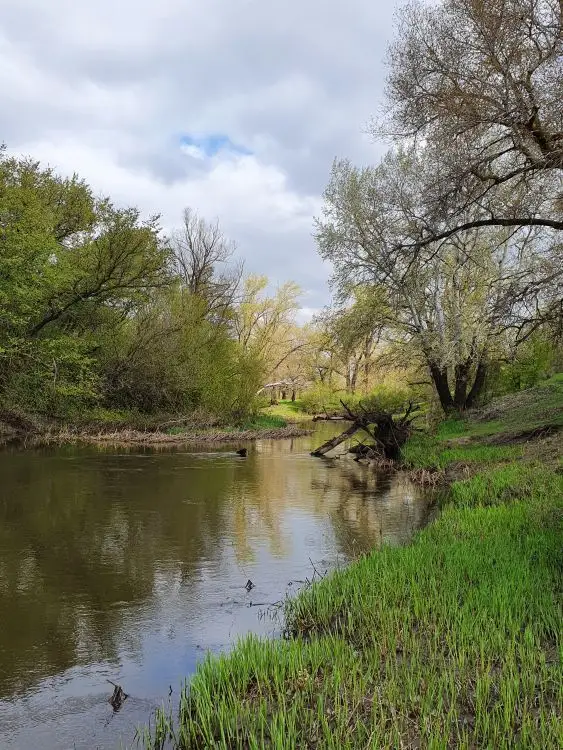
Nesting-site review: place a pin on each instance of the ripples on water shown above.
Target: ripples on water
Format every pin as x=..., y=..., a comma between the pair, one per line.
x=128, y=566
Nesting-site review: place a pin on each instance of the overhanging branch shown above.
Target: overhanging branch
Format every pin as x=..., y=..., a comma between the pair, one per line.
x=517, y=222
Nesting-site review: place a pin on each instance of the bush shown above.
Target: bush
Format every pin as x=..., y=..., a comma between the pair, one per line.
x=385, y=397
x=320, y=400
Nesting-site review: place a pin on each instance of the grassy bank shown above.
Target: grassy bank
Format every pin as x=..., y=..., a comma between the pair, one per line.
x=453, y=641
x=290, y=411
x=129, y=428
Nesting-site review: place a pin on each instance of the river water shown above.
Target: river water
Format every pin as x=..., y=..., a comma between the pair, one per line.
x=129, y=565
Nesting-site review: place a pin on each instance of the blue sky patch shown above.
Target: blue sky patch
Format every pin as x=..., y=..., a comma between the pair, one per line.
x=211, y=145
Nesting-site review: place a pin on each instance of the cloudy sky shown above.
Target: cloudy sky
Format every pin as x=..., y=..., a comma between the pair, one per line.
x=233, y=107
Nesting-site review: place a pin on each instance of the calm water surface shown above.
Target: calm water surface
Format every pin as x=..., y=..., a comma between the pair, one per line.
x=128, y=566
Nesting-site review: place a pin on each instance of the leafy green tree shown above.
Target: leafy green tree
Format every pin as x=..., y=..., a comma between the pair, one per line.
x=69, y=263
x=352, y=333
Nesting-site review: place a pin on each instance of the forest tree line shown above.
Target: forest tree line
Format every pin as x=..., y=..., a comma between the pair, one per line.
x=101, y=309
x=447, y=254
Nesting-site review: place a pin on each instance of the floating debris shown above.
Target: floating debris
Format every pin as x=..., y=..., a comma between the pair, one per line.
x=118, y=698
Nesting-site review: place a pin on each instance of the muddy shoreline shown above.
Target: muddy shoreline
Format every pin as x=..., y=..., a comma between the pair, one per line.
x=215, y=436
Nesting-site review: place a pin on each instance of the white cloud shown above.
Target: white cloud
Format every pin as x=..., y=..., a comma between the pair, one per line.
x=193, y=151
x=110, y=90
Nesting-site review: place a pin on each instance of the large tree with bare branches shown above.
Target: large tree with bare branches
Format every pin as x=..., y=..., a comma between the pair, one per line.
x=478, y=83
x=204, y=261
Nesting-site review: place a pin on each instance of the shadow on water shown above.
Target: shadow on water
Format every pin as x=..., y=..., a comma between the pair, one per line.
x=126, y=566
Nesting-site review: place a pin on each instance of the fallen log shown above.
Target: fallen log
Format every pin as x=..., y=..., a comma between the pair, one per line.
x=388, y=433
x=333, y=443
x=327, y=418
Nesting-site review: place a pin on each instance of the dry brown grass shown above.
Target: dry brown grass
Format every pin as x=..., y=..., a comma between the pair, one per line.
x=137, y=437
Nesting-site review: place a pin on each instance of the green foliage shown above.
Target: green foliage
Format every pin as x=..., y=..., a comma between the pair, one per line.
x=531, y=364
x=385, y=397
x=321, y=400
x=93, y=316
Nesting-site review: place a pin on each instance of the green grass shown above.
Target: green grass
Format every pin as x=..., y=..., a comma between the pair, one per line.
x=505, y=484
x=450, y=642
x=427, y=452
x=264, y=422
x=453, y=641
x=515, y=413
x=462, y=441
x=291, y=411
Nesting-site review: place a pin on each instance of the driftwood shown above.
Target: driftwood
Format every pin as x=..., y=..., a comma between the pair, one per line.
x=118, y=698
x=335, y=441
x=328, y=418
x=387, y=433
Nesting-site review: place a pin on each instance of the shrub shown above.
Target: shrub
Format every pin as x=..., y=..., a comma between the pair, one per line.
x=321, y=399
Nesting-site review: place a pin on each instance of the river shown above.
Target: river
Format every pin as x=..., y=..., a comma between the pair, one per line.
x=128, y=565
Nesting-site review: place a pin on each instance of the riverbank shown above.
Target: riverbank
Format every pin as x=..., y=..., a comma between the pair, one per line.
x=144, y=431
x=453, y=641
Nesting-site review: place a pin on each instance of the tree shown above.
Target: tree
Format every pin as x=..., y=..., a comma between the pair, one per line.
x=293, y=366
x=479, y=85
x=453, y=300
x=201, y=255
x=353, y=331
x=170, y=358
x=69, y=262
x=264, y=325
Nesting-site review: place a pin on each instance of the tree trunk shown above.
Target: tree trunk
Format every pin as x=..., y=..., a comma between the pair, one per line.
x=348, y=378
x=440, y=377
x=283, y=395
x=335, y=441
x=354, y=378
x=366, y=374
x=293, y=395
x=478, y=384
x=461, y=380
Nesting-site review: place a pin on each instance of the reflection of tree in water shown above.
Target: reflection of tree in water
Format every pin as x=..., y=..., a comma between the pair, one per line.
x=364, y=508
x=367, y=508
x=74, y=550
x=91, y=541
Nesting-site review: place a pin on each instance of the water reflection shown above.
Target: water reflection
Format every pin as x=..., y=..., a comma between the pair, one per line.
x=129, y=565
